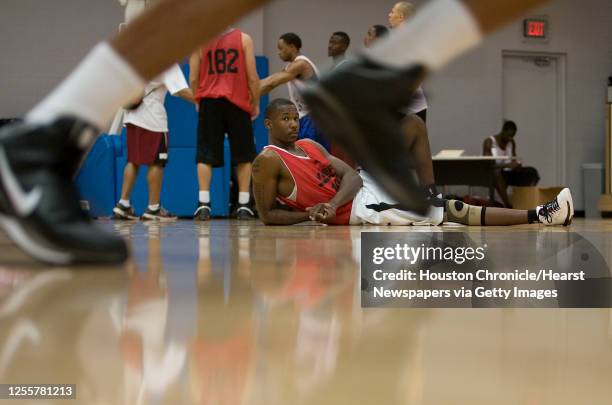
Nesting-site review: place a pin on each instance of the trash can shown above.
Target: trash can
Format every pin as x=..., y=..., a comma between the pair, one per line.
x=592, y=188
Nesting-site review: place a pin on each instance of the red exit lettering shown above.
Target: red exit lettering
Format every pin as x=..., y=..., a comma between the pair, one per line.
x=536, y=29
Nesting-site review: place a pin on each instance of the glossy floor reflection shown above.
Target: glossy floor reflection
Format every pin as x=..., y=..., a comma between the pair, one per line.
x=238, y=313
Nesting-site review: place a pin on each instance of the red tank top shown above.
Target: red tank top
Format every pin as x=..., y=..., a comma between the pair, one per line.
x=315, y=180
x=223, y=71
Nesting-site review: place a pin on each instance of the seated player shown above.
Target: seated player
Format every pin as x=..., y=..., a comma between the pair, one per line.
x=510, y=171
x=311, y=184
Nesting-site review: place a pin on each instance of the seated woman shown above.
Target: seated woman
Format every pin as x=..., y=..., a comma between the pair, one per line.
x=510, y=171
x=313, y=185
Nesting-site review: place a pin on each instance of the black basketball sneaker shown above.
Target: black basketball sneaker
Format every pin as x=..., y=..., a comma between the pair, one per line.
x=357, y=105
x=39, y=205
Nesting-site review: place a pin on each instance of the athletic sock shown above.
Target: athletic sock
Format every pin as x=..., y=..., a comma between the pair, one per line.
x=125, y=203
x=153, y=207
x=101, y=84
x=532, y=216
x=204, y=197
x=243, y=197
x=441, y=31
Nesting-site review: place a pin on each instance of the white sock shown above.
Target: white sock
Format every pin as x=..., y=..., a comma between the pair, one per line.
x=125, y=203
x=243, y=197
x=204, y=197
x=153, y=207
x=101, y=84
x=441, y=31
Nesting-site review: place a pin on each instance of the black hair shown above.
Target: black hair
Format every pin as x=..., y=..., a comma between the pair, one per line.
x=509, y=126
x=345, y=37
x=275, y=105
x=380, y=30
x=291, y=38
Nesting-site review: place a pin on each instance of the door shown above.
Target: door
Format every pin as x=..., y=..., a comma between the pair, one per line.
x=533, y=97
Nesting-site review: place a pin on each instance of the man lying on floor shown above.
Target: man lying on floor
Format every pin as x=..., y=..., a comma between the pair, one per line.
x=298, y=180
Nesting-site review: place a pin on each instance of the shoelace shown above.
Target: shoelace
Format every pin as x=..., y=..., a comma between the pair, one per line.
x=549, y=209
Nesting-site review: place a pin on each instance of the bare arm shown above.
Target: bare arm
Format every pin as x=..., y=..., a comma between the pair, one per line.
x=186, y=95
x=515, y=163
x=194, y=71
x=252, y=77
x=350, y=185
x=266, y=172
x=274, y=80
x=486, y=147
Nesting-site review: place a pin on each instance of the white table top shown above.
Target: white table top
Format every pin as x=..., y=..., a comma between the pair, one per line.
x=472, y=158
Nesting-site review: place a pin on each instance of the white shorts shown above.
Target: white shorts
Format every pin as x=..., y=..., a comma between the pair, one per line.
x=372, y=194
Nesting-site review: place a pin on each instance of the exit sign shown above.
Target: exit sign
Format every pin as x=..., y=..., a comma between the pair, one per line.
x=535, y=28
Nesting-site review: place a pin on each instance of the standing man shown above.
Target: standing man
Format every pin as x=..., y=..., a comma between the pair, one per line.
x=337, y=47
x=223, y=76
x=399, y=14
x=147, y=143
x=298, y=70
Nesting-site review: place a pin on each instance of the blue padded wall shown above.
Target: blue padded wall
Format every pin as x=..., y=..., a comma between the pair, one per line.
x=97, y=177
x=101, y=176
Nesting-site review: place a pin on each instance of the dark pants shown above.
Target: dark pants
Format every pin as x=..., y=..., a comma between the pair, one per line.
x=521, y=177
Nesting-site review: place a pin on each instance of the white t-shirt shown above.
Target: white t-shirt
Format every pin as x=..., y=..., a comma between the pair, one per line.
x=497, y=151
x=297, y=85
x=151, y=114
x=418, y=102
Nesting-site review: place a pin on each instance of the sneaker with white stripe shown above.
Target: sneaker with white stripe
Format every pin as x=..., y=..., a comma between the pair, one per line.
x=559, y=211
x=39, y=204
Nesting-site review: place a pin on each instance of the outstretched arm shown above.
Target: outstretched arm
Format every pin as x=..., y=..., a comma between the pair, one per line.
x=266, y=172
x=276, y=79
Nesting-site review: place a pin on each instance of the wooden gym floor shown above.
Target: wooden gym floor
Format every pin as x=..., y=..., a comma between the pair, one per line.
x=234, y=313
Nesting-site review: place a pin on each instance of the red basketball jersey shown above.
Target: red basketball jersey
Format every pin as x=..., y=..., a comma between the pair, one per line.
x=223, y=70
x=315, y=179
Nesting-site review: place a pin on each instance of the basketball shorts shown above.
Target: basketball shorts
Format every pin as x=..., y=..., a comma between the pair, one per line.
x=146, y=147
x=373, y=206
x=219, y=117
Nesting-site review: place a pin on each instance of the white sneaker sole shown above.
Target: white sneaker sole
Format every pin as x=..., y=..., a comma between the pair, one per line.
x=570, y=207
x=149, y=217
x=31, y=245
x=121, y=215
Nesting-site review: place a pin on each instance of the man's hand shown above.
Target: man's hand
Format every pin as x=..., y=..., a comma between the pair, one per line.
x=323, y=212
x=514, y=164
x=255, y=113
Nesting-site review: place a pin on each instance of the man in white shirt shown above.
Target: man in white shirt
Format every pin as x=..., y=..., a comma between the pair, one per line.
x=147, y=143
x=298, y=71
